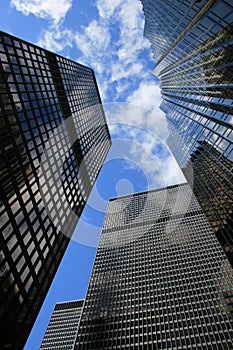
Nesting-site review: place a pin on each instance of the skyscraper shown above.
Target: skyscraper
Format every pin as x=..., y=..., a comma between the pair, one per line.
x=54, y=140
x=192, y=46
x=160, y=279
x=210, y=185
x=63, y=325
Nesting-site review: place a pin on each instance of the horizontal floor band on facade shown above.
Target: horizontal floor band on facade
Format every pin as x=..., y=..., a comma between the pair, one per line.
x=153, y=222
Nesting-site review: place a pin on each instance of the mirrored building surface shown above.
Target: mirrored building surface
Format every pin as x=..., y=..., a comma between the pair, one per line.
x=160, y=279
x=63, y=325
x=192, y=47
x=213, y=190
x=54, y=140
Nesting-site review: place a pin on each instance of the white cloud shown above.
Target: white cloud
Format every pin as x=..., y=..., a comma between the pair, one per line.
x=103, y=89
x=120, y=71
x=107, y=8
x=112, y=46
x=142, y=133
x=146, y=125
x=147, y=95
x=171, y=170
x=97, y=36
x=132, y=21
x=115, y=57
x=54, y=10
x=93, y=42
x=55, y=39
x=145, y=151
x=122, y=86
x=131, y=41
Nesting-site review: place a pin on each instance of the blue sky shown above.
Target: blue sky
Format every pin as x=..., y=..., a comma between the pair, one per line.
x=107, y=36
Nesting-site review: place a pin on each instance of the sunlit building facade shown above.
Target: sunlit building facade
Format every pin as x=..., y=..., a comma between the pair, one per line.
x=160, y=279
x=63, y=325
x=54, y=140
x=192, y=47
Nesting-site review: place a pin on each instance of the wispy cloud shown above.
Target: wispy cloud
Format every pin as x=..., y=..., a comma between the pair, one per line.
x=147, y=95
x=148, y=154
x=52, y=10
x=149, y=119
x=113, y=44
x=93, y=43
x=107, y=8
x=56, y=39
x=139, y=135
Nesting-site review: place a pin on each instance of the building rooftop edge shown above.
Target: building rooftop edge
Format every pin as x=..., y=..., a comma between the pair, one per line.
x=69, y=301
x=144, y=192
x=42, y=48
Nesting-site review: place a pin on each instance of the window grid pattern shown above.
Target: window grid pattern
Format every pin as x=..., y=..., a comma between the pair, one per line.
x=62, y=328
x=195, y=68
x=35, y=103
x=161, y=284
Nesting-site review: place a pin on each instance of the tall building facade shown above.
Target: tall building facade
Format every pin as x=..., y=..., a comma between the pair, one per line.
x=54, y=139
x=212, y=187
x=192, y=47
x=160, y=279
x=63, y=325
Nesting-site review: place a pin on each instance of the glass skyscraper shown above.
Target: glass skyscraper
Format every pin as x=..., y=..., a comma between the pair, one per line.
x=63, y=325
x=54, y=140
x=160, y=279
x=192, y=47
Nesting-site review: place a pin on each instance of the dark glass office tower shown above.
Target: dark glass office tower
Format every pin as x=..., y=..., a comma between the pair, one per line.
x=192, y=46
x=54, y=140
x=213, y=190
x=63, y=325
x=160, y=278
